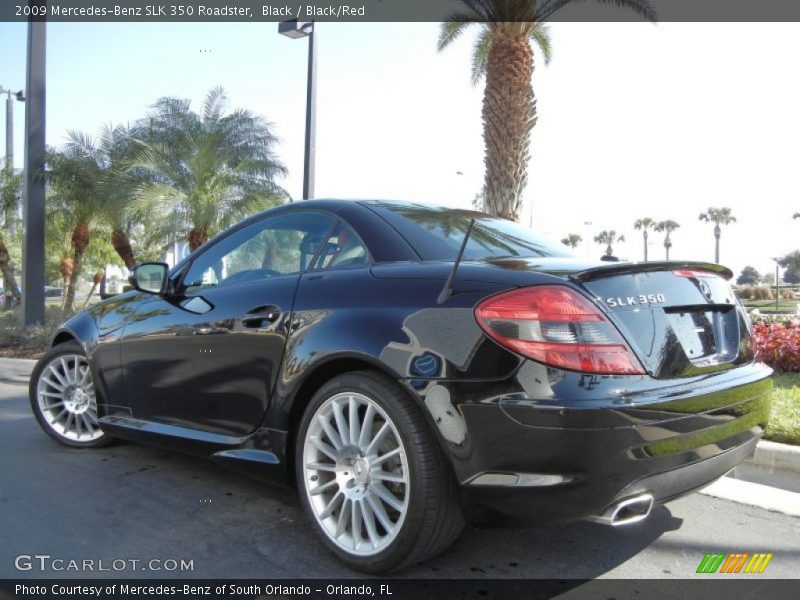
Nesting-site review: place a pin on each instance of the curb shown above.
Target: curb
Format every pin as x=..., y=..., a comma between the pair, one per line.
x=772, y=457
x=16, y=370
x=755, y=494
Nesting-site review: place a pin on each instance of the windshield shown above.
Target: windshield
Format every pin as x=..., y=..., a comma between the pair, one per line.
x=436, y=233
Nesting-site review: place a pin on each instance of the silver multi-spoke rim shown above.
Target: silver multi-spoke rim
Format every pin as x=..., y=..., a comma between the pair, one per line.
x=67, y=400
x=356, y=474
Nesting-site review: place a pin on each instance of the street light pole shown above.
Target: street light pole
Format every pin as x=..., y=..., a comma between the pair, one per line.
x=9, y=131
x=11, y=215
x=297, y=29
x=9, y=160
x=311, y=118
x=33, y=191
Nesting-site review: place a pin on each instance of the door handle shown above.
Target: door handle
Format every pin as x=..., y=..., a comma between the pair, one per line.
x=255, y=317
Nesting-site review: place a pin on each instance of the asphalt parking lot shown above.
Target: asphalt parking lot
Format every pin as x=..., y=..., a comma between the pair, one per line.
x=133, y=502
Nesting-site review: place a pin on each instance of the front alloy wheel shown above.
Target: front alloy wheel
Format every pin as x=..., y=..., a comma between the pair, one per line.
x=64, y=399
x=372, y=476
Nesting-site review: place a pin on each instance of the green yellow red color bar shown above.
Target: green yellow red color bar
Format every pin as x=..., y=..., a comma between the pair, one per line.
x=735, y=562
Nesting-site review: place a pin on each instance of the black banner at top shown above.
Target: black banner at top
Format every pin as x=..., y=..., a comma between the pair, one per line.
x=152, y=11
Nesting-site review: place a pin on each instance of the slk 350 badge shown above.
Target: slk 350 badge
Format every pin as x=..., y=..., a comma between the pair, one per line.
x=636, y=300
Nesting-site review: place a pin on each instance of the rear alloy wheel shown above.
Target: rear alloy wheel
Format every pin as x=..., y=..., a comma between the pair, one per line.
x=372, y=476
x=64, y=399
x=357, y=473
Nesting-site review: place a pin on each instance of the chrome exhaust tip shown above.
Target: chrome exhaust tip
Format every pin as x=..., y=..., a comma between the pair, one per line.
x=627, y=512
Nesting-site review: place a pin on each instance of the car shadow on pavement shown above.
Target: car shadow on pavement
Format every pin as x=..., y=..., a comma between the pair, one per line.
x=577, y=550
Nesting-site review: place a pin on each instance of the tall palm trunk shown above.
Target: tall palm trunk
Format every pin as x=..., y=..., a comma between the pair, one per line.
x=121, y=243
x=644, y=235
x=7, y=269
x=717, y=234
x=80, y=240
x=509, y=114
x=667, y=245
x=197, y=237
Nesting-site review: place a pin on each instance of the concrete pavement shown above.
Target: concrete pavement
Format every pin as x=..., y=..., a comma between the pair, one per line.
x=16, y=370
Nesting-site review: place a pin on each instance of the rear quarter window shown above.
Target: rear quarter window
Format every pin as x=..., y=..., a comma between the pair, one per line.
x=436, y=233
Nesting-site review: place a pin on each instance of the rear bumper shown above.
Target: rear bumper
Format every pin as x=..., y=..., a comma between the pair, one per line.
x=590, y=496
x=553, y=460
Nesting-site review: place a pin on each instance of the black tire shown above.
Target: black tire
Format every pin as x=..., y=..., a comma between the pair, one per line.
x=433, y=519
x=61, y=350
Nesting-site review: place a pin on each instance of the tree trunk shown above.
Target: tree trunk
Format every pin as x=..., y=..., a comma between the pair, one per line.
x=10, y=283
x=717, y=234
x=80, y=240
x=72, y=284
x=197, y=237
x=98, y=277
x=509, y=114
x=269, y=254
x=65, y=268
x=667, y=245
x=644, y=235
x=121, y=243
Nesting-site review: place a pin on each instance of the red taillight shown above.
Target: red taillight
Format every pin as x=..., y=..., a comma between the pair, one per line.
x=693, y=273
x=554, y=325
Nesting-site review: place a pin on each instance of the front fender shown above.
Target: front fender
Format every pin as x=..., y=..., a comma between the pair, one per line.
x=99, y=331
x=82, y=328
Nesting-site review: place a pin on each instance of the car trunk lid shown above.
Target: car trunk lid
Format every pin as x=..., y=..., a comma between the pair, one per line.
x=681, y=318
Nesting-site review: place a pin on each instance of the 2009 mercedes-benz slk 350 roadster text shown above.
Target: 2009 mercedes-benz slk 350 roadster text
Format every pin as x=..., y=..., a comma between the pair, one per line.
x=399, y=362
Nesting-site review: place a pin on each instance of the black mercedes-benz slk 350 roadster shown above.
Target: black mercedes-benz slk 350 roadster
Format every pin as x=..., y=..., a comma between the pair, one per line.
x=399, y=362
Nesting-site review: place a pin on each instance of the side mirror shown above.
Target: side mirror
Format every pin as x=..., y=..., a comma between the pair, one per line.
x=149, y=277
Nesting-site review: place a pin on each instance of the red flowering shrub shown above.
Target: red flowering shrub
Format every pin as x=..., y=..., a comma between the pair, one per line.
x=777, y=343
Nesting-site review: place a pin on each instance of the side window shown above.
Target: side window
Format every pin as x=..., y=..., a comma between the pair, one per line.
x=343, y=248
x=280, y=245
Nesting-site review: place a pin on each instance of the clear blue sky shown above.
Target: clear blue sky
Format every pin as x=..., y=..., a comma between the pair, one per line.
x=635, y=120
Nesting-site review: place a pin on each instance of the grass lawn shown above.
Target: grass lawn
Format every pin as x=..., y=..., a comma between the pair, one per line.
x=784, y=422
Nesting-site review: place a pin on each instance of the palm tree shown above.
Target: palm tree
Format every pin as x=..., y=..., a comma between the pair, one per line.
x=607, y=238
x=113, y=152
x=207, y=170
x=10, y=189
x=11, y=289
x=718, y=216
x=644, y=225
x=115, y=149
x=78, y=188
x=503, y=53
x=667, y=227
x=572, y=240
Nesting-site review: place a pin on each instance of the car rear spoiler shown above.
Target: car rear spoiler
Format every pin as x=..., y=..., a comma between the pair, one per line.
x=623, y=268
